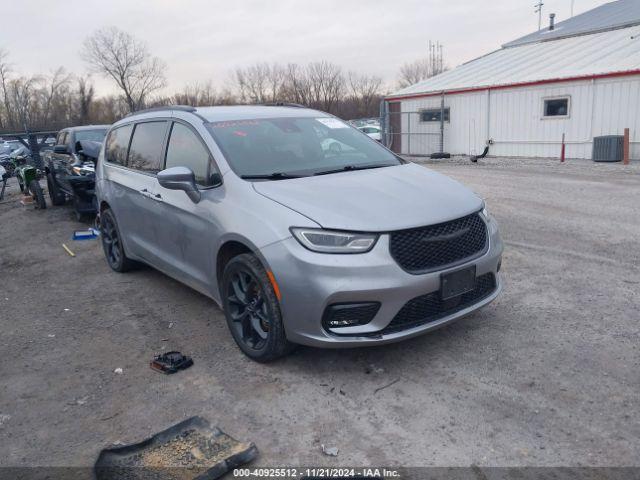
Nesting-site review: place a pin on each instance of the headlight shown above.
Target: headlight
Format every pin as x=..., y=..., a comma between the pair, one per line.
x=331, y=241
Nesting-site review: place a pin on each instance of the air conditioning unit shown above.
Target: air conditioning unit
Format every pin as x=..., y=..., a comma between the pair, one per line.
x=608, y=148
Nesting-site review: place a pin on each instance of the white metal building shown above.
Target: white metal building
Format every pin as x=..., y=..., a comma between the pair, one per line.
x=581, y=78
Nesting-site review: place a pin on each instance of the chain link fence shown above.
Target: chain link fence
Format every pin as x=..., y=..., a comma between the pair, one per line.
x=415, y=133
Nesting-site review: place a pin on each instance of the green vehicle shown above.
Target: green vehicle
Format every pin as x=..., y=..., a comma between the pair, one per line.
x=28, y=176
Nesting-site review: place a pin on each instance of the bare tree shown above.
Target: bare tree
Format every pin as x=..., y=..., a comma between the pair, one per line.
x=423, y=68
x=5, y=69
x=296, y=88
x=364, y=92
x=326, y=85
x=196, y=95
x=58, y=81
x=21, y=94
x=121, y=57
x=413, y=72
x=260, y=83
x=85, y=97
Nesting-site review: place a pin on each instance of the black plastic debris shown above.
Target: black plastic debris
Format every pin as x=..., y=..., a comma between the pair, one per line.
x=192, y=449
x=171, y=362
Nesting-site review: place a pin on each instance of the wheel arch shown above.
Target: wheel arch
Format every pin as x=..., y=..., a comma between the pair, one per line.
x=103, y=206
x=231, y=247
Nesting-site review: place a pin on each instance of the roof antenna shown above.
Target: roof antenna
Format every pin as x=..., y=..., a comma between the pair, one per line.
x=538, y=10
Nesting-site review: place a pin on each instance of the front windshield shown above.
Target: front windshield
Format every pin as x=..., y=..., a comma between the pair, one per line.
x=93, y=135
x=297, y=146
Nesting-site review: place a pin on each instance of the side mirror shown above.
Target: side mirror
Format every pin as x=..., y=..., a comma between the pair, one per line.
x=180, y=178
x=61, y=149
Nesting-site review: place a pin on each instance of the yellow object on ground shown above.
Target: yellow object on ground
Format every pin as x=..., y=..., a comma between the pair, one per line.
x=68, y=250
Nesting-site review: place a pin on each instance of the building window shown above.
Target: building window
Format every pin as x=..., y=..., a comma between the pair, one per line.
x=556, y=107
x=433, y=115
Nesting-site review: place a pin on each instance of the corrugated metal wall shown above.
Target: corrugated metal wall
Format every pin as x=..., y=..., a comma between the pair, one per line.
x=515, y=122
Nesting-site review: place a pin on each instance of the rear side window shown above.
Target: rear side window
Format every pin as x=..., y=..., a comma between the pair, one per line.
x=185, y=149
x=117, y=145
x=93, y=135
x=62, y=138
x=145, y=152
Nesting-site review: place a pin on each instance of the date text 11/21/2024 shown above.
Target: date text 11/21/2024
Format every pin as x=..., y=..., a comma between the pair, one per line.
x=311, y=473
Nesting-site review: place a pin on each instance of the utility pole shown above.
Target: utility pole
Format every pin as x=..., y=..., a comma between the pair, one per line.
x=538, y=10
x=572, y=2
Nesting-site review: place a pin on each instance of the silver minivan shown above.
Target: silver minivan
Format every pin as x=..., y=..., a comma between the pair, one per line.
x=302, y=228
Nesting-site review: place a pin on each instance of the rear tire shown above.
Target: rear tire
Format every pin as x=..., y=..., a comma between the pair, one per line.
x=253, y=310
x=57, y=197
x=37, y=194
x=112, y=244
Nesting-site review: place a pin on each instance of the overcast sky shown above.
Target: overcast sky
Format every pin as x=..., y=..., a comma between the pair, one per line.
x=203, y=40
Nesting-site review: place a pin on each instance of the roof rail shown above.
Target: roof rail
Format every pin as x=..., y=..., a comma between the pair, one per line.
x=182, y=108
x=283, y=104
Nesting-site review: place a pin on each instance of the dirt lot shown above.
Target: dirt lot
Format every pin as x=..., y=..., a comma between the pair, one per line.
x=549, y=374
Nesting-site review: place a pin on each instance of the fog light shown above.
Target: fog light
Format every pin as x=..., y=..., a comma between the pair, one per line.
x=340, y=315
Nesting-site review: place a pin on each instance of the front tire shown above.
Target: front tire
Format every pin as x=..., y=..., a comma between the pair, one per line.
x=112, y=244
x=37, y=194
x=252, y=310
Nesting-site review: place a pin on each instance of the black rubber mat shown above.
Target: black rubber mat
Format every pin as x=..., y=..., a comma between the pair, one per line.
x=192, y=449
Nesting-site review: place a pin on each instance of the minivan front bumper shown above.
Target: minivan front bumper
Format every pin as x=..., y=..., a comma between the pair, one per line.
x=309, y=282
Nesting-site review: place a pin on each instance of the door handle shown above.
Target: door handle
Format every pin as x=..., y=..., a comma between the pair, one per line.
x=145, y=193
x=157, y=197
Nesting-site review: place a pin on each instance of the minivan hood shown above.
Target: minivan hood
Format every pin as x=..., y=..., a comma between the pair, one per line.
x=375, y=200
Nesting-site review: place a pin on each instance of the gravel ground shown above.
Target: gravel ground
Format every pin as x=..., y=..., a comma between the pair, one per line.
x=547, y=375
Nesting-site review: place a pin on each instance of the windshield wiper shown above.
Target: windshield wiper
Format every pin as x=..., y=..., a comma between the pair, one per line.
x=270, y=176
x=350, y=168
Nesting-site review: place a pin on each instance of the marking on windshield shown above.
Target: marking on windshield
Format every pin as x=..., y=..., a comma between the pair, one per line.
x=332, y=123
x=236, y=123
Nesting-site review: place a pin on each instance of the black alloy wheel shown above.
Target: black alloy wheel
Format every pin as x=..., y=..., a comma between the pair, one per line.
x=252, y=309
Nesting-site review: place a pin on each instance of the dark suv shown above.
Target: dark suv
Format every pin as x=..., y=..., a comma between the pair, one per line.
x=70, y=167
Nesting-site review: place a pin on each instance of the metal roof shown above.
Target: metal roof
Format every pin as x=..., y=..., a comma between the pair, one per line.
x=601, y=53
x=620, y=14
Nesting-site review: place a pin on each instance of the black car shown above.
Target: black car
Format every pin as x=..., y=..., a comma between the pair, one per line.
x=70, y=167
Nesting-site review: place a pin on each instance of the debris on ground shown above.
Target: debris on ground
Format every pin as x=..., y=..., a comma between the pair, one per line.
x=193, y=445
x=330, y=451
x=171, y=362
x=118, y=371
x=89, y=234
x=71, y=254
x=4, y=418
x=386, y=386
x=170, y=324
x=79, y=401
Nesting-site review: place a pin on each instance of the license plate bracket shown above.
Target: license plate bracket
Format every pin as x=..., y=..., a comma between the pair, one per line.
x=456, y=283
